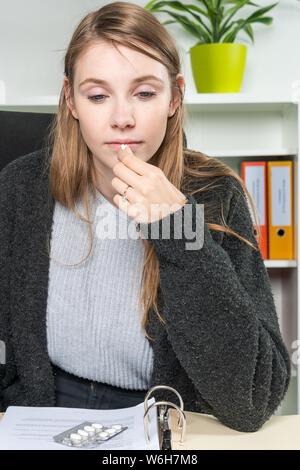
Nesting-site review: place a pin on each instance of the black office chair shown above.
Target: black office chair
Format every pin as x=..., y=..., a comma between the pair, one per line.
x=22, y=133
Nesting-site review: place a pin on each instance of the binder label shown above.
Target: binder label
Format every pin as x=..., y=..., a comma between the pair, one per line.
x=254, y=180
x=281, y=195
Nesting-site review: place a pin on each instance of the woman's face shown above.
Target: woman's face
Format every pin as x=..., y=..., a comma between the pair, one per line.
x=121, y=108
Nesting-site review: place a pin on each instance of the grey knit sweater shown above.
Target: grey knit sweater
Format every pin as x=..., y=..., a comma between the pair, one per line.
x=220, y=346
x=93, y=319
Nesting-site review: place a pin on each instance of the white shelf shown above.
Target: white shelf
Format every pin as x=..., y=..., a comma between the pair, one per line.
x=49, y=100
x=190, y=99
x=254, y=153
x=236, y=98
x=280, y=263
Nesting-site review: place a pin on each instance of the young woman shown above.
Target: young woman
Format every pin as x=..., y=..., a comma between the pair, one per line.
x=74, y=331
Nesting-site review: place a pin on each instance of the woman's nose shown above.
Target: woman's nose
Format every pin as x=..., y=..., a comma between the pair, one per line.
x=122, y=114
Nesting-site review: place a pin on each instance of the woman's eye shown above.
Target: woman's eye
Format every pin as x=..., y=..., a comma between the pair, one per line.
x=148, y=93
x=92, y=98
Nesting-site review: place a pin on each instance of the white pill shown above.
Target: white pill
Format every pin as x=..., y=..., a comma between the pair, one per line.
x=75, y=438
x=103, y=435
x=123, y=146
x=66, y=441
x=83, y=434
x=118, y=427
x=89, y=429
x=111, y=431
x=97, y=426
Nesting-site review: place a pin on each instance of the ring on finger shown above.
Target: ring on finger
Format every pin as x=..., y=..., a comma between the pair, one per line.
x=124, y=196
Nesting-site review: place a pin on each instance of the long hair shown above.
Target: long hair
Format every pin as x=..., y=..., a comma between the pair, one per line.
x=71, y=167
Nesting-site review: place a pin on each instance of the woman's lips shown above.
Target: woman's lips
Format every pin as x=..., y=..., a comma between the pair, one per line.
x=132, y=145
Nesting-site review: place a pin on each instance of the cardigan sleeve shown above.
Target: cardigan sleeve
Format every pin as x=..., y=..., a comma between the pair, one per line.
x=221, y=320
x=7, y=368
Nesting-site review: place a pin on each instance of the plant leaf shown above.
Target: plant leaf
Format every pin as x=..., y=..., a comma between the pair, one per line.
x=232, y=35
x=248, y=29
x=209, y=6
x=190, y=26
x=169, y=22
x=230, y=13
x=215, y=14
x=242, y=23
x=255, y=17
x=265, y=20
x=180, y=6
x=225, y=31
x=236, y=1
x=149, y=5
x=261, y=11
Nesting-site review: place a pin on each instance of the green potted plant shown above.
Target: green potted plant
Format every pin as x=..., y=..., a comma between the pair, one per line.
x=217, y=62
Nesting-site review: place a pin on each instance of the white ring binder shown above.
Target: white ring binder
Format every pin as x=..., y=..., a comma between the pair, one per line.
x=166, y=387
x=158, y=403
x=163, y=422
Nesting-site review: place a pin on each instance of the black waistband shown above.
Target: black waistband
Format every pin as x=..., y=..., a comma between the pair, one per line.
x=75, y=378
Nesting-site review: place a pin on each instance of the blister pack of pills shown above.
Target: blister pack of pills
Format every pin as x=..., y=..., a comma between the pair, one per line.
x=88, y=434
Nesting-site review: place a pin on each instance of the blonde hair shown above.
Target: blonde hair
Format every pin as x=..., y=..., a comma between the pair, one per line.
x=72, y=170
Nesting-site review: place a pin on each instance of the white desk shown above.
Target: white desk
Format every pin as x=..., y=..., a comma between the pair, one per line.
x=207, y=433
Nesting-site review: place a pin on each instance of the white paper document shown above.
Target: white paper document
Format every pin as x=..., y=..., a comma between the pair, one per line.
x=33, y=428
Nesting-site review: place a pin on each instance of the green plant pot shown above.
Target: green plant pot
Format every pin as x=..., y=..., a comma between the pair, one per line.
x=218, y=67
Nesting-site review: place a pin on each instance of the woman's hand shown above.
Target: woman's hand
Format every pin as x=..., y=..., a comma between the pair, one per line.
x=150, y=195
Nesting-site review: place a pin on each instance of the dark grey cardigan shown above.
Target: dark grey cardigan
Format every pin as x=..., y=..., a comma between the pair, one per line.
x=220, y=347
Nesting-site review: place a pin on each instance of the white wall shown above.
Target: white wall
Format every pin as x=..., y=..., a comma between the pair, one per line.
x=35, y=33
